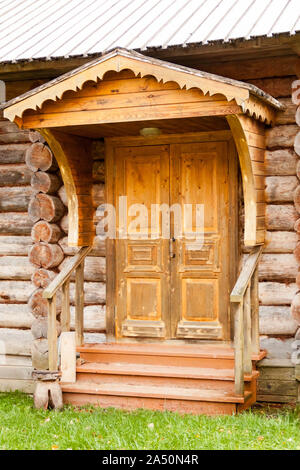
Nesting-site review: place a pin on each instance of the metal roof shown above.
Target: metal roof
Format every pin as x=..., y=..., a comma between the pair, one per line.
x=32, y=29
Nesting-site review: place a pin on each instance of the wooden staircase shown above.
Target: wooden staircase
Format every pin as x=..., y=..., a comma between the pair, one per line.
x=185, y=378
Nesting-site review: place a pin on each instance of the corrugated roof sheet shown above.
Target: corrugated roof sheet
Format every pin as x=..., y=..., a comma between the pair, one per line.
x=32, y=29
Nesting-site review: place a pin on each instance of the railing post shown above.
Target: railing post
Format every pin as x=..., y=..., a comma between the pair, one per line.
x=65, y=307
x=238, y=348
x=79, y=303
x=247, y=332
x=52, y=334
x=255, y=313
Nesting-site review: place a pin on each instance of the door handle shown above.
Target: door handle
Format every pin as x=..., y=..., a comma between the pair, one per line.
x=172, y=254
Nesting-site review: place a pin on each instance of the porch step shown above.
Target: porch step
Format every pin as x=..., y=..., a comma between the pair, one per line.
x=130, y=396
x=160, y=375
x=203, y=356
x=160, y=371
x=185, y=378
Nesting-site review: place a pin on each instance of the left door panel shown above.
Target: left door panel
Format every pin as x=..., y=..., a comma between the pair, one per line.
x=142, y=254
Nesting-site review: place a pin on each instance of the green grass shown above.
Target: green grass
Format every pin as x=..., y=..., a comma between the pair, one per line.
x=23, y=427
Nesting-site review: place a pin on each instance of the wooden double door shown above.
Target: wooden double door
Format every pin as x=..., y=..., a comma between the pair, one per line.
x=174, y=252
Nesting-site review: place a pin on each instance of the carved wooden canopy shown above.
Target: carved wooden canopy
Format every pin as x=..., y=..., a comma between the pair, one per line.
x=70, y=100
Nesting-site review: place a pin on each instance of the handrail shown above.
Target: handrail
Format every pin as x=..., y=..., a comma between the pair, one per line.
x=66, y=272
x=244, y=303
x=62, y=280
x=238, y=292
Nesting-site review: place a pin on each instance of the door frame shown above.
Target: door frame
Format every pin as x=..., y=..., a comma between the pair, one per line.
x=199, y=137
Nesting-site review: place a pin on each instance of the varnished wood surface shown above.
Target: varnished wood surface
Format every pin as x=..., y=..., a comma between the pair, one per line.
x=141, y=172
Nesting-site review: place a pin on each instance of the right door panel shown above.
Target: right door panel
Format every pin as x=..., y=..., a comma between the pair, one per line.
x=199, y=266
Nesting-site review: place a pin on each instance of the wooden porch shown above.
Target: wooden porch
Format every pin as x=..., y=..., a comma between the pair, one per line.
x=210, y=378
x=206, y=361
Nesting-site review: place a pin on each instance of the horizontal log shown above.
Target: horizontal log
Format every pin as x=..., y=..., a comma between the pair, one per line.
x=281, y=136
x=277, y=293
x=45, y=207
x=99, y=171
x=16, y=342
x=13, y=153
x=250, y=67
x=276, y=320
x=39, y=157
x=288, y=115
x=94, y=293
x=277, y=87
x=42, y=277
x=98, y=150
x=280, y=162
x=94, y=318
x=13, y=360
x=15, y=175
x=43, y=231
x=94, y=338
x=277, y=266
x=283, y=391
x=44, y=182
x=14, y=137
x=280, y=188
x=97, y=194
x=11, y=385
x=15, y=199
x=14, y=245
x=277, y=348
x=15, y=372
x=15, y=267
x=7, y=126
x=94, y=268
x=15, y=291
x=280, y=242
x=98, y=247
x=15, y=316
x=278, y=371
x=15, y=223
x=64, y=222
x=45, y=255
x=281, y=217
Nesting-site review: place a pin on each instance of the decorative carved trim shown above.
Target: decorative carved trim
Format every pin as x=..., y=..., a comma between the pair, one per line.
x=261, y=106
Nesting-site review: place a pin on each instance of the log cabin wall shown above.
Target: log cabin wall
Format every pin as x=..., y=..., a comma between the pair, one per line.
x=278, y=268
x=15, y=269
x=279, y=265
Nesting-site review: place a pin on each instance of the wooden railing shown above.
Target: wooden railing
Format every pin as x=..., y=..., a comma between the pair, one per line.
x=62, y=281
x=244, y=305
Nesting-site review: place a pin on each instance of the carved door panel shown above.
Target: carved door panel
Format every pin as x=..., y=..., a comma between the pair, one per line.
x=142, y=256
x=172, y=284
x=199, y=269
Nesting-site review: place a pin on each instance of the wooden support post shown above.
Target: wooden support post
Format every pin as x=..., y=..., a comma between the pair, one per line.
x=247, y=332
x=65, y=307
x=255, y=313
x=52, y=334
x=79, y=303
x=238, y=348
x=68, y=357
